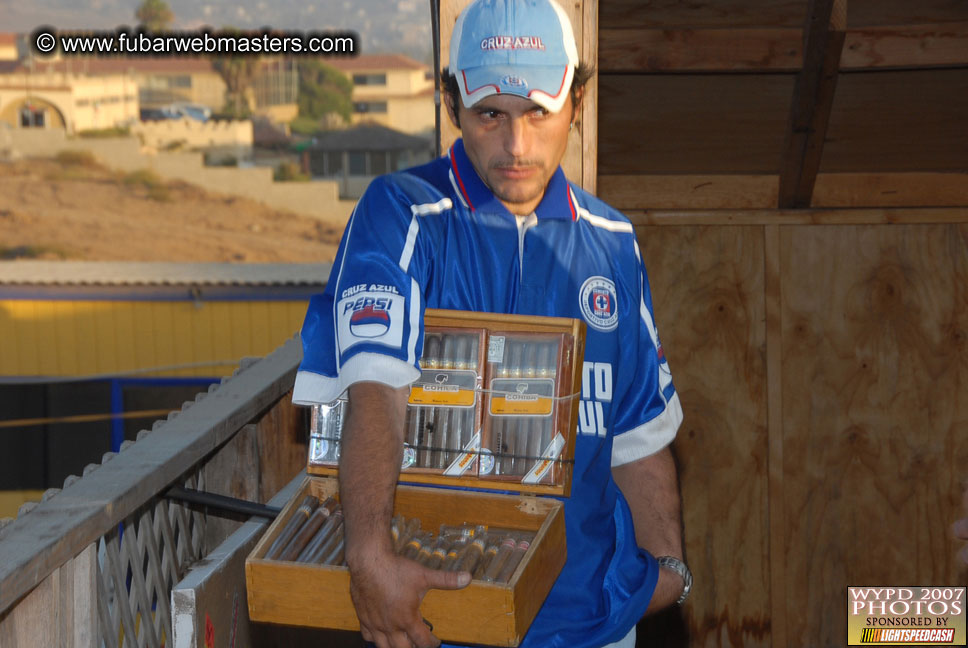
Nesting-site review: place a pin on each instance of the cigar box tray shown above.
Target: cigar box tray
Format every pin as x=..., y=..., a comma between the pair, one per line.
x=496, y=614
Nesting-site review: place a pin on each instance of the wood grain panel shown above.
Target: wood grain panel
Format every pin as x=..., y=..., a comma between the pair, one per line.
x=898, y=121
x=875, y=369
x=702, y=13
x=670, y=14
x=871, y=13
x=707, y=285
x=751, y=49
x=668, y=124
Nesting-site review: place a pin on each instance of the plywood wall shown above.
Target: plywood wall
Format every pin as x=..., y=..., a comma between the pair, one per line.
x=829, y=450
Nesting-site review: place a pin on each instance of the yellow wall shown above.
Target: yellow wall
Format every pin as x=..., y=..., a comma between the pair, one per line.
x=10, y=501
x=73, y=338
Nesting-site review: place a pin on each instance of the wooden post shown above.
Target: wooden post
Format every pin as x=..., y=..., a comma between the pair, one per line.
x=813, y=99
x=60, y=611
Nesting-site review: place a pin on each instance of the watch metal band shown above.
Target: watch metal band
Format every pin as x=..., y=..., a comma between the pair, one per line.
x=680, y=568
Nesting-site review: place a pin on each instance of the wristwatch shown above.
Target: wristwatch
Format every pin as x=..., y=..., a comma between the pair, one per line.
x=680, y=568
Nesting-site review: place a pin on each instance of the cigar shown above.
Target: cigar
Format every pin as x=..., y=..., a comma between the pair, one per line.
x=305, y=534
x=534, y=445
x=302, y=514
x=334, y=556
x=497, y=563
x=431, y=352
x=407, y=532
x=415, y=419
x=530, y=368
x=319, y=545
x=472, y=352
x=498, y=444
x=516, y=354
x=452, y=553
x=439, y=552
x=412, y=548
x=442, y=435
x=504, y=576
x=471, y=556
x=489, y=555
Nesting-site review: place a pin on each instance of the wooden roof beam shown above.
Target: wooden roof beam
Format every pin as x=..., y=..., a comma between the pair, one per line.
x=777, y=49
x=813, y=98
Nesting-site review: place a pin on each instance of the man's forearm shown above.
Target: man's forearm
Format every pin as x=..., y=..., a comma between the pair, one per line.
x=372, y=448
x=651, y=487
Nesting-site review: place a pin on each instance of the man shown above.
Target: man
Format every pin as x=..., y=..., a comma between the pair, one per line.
x=494, y=226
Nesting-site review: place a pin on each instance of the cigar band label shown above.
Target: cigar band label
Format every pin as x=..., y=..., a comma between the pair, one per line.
x=448, y=388
x=465, y=460
x=542, y=467
x=524, y=397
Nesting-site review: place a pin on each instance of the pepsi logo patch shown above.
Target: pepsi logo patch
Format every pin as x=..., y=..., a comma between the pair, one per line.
x=371, y=321
x=370, y=316
x=598, y=301
x=514, y=81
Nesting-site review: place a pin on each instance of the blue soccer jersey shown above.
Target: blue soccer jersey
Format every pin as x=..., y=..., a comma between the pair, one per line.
x=436, y=237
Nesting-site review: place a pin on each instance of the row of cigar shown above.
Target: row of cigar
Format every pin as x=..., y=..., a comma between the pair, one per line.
x=438, y=434
x=517, y=442
x=314, y=534
x=490, y=555
x=528, y=358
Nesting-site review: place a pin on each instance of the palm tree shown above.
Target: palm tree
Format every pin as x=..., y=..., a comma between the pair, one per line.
x=154, y=15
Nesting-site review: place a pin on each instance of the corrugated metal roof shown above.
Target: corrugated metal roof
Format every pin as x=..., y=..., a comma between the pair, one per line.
x=136, y=273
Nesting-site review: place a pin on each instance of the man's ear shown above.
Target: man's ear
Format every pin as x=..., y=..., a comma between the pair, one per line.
x=451, y=108
x=576, y=105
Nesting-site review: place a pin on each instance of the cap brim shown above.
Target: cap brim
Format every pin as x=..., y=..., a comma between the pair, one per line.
x=547, y=86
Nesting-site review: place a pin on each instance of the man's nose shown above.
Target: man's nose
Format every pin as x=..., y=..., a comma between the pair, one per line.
x=517, y=141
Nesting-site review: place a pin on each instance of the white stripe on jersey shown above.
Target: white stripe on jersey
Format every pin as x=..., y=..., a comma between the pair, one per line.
x=432, y=208
x=650, y=437
x=420, y=210
x=600, y=221
x=414, y=321
x=339, y=275
x=408, y=246
x=665, y=376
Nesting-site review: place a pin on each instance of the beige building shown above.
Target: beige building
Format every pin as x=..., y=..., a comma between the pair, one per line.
x=390, y=89
x=8, y=47
x=48, y=97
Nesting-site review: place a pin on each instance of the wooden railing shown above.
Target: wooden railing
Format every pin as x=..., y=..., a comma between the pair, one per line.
x=94, y=563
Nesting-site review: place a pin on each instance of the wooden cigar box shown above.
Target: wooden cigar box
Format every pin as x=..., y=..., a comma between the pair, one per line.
x=521, y=400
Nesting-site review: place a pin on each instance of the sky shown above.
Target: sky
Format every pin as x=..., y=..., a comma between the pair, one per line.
x=383, y=25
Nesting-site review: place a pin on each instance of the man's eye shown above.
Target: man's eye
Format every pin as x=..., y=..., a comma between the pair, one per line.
x=491, y=114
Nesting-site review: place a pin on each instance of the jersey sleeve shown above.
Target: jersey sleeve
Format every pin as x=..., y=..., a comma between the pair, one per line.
x=649, y=414
x=367, y=325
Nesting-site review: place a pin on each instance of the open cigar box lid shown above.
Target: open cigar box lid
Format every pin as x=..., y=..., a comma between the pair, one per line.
x=495, y=407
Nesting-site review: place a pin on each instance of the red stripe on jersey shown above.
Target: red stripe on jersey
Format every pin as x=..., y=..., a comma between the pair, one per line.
x=463, y=189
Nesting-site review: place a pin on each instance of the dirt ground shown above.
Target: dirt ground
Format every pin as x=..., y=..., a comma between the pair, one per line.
x=75, y=209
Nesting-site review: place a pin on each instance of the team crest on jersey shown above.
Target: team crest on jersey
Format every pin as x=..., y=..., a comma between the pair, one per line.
x=599, y=307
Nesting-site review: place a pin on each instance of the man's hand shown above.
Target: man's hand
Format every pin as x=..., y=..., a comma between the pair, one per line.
x=386, y=588
x=387, y=591
x=961, y=528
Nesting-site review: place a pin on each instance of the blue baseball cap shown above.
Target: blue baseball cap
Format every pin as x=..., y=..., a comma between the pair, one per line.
x=520, y=47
